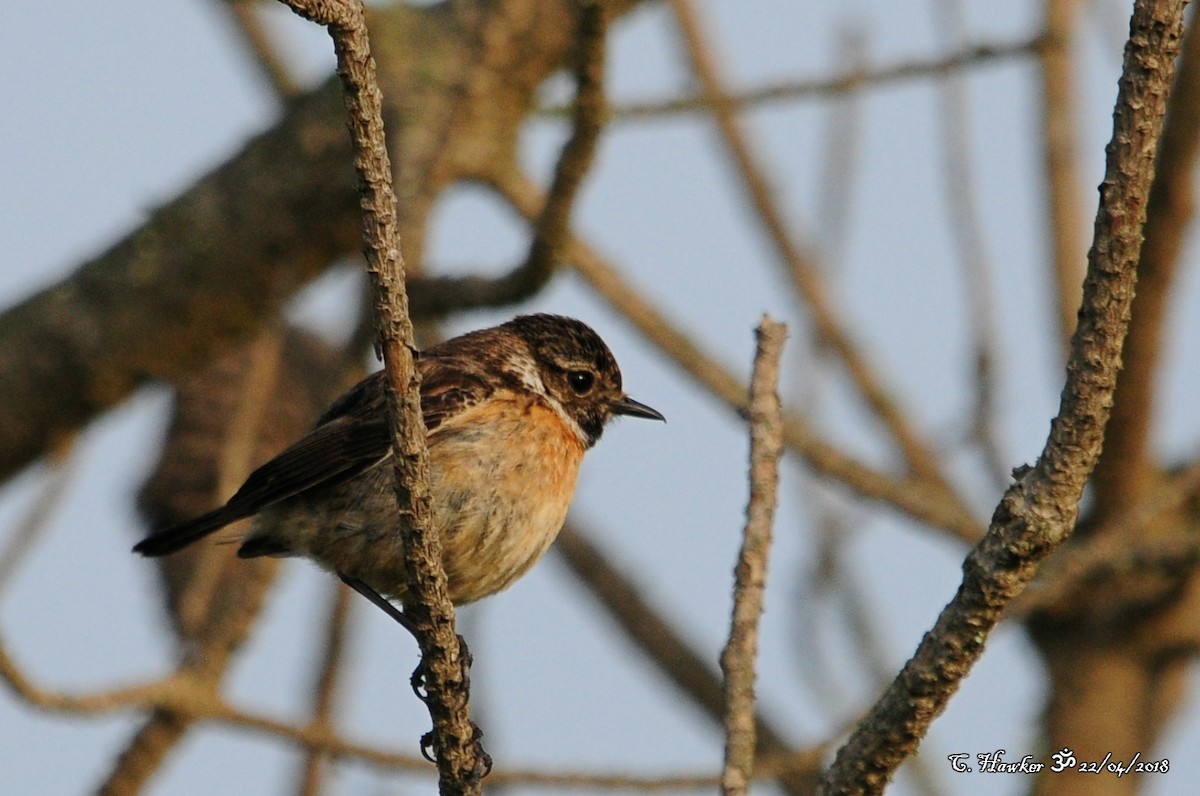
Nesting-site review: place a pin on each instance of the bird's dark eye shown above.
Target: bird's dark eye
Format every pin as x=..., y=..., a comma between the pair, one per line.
x=581, y=381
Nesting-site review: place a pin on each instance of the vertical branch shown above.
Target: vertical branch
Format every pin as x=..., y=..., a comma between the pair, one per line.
x=551, y=230
x=966, y=232
x=1067, y=232
x=325, y=687
x=738, y=657
x=647, y=630
x=461, y=761
x=1039, y=511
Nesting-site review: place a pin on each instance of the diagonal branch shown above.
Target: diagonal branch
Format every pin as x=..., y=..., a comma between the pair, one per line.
x=916, y=498
x=919, y=458
x=855, y=79
x=437, y=296
x=1038, y=512
x=271, y=67
x=1124, y=473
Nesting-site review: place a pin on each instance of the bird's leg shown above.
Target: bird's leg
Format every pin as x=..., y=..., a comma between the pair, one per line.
x=380, y=601
x=419, y=674
x=417, y=681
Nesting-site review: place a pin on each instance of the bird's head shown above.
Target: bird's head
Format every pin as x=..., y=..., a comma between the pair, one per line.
x=574, y=370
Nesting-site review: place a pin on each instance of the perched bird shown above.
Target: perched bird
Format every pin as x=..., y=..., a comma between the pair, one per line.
x=509, y=411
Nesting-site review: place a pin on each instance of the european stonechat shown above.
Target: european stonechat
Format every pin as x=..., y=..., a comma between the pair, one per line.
x=509, y=413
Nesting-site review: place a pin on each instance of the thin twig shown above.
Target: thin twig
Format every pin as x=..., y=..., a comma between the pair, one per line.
x=1066, y=213
x=741, y=651
x=271, y=66
x=1039, y=511
x=186, y=696
x=850, y=81
x=325, y=685
x=807, y=279
x=461, y=760
x=25, y=532
x=966, y=232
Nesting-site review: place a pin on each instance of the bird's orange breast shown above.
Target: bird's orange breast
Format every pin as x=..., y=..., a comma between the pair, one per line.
x=503, y=476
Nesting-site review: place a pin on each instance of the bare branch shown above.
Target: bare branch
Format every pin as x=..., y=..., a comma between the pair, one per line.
x=186, y=697
x=25, y=532
x=1066, y=585
x=437, y=296
x=144, y=753
x=646, y=628
x=741, y=651
x=229, y=250
x=461, y=760
x=257, y=42
x=1066, y=213
x=852, y=80
x=1039, y=511
x=325, y=685
x=1124, y=472
x=910, y=496
x=807, y=279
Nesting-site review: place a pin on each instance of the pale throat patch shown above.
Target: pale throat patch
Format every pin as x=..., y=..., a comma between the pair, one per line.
x=527, y=370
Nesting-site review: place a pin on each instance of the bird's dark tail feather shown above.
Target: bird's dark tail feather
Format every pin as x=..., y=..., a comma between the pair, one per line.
x=182, y=535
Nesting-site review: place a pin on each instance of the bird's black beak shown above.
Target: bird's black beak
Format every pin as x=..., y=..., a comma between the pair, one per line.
x=632, y=408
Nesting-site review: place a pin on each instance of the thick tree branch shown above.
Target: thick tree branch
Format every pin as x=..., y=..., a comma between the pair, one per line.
x=1099, y=573
x=208, y=267
x=1039, y=511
